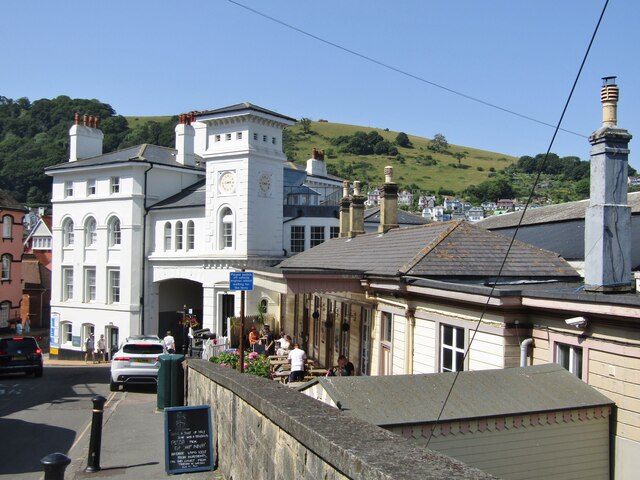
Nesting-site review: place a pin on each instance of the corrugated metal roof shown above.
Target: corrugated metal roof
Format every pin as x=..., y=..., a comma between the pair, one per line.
x=139, y=153
x=551, y=213
x=454, y=249
x=410, y=399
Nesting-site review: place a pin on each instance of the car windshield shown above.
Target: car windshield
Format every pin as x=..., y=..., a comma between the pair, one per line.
x=11, y=346
x=143, y=348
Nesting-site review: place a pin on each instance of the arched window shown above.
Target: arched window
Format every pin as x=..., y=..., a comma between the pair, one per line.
x=191, y=231
x=115, y=236
x=5, y=309
x=167, y=236
x=6, y=267
x=7, y=223
x=90, y=233
x=226, y=228
x=67, y=233
x=178, y=235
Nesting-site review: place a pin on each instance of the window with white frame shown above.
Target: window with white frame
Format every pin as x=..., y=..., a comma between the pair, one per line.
x=239, y=136
x=264, y=138
x=386, y=332
x=67, y=233
x=115, y=234
x=41, y=243
x=6, y=267
x=7, y=223
x=191, y=235
x=5, y=308
x=91, y=187
x=273, y=140
x=68, y=189
x=334, y=232
x=90, y=233
x=297, y=238
x=67, y=283
x=179, y=235
x=216, y=138
x=345, y=311
x=67, y=332
x=451, y=349
x=569, y=357
x=255, y=136
x=90, y=284
x=227, y=137
x=226, y=228
x=317, y=236
x=114, y=286
x=114, y=183
x=167, y=236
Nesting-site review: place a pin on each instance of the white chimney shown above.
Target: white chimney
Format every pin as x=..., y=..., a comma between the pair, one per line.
x=185, y=135
x=85, y=140
x=316, y=165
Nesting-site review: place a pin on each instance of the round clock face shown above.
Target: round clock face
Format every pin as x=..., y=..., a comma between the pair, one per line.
x=227, y=182
x=264, y=181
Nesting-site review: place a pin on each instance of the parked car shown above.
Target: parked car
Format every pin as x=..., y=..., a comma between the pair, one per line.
x=137, y=361
x=20, y=354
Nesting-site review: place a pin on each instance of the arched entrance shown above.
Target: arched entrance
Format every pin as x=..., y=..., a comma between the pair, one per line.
x=178, y=298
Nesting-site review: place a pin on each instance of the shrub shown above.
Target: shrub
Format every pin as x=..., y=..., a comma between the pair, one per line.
x=255, y=364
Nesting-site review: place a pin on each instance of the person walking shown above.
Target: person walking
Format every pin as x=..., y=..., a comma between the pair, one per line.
x=297, y=358
x=102, y=349
x=89, y=348
x=169, y=342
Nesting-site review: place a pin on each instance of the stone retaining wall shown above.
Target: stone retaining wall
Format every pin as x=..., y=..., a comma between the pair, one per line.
x=264, y=430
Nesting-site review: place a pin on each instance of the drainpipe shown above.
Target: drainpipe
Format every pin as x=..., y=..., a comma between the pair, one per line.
x=144, y=250
x=524, y=347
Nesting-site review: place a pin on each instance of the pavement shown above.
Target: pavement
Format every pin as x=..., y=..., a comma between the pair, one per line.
x=133, y=438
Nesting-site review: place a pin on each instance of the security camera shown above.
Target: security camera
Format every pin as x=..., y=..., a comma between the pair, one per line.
x=578, y=322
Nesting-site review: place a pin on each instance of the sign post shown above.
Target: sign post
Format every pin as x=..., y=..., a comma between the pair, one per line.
x=242, y=281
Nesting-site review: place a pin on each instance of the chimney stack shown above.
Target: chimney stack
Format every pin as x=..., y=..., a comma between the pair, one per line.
x=185, y=140
x=316, y=165
x=388, y=202
x=356, y=214
x=85, y=140
x=607, y=243
x=345, y=204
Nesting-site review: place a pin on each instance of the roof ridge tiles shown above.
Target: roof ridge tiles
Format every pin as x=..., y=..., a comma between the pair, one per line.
x=429, y=247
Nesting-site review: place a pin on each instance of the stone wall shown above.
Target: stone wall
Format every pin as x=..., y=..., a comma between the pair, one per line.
x=264, y=430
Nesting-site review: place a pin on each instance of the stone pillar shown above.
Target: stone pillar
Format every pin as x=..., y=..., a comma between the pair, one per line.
x=345, y=204
x=607, y=242
x=356, y=215
x=389, y=202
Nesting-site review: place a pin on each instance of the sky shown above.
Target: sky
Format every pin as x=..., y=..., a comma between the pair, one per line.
x=383, y=64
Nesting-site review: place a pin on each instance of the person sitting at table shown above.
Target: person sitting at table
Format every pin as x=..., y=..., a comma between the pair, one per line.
x=285, y=345
x=344, y=368
x=297, y=358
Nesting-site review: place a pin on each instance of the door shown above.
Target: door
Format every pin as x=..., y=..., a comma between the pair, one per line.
x=365, y=342
x=227, y=310
x=330, y=334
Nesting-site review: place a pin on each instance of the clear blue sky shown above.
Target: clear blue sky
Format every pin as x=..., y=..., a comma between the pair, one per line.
x=164, y=57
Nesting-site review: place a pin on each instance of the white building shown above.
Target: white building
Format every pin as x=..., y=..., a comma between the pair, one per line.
x=145, y=231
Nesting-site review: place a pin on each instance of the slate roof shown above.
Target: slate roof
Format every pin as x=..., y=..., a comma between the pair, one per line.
x=192, y=196
x=140, y=153
x=404, y=218
x=239, y=107
x=10, y=203
x=550, y=213
x=414, y=399
x=454, y=250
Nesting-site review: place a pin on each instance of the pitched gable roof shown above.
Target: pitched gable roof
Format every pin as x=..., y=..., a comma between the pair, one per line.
x=241, y=107
x=372, y=215
x=454, y=249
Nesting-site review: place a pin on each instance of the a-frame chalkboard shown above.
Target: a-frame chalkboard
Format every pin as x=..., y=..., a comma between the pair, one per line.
x=187, y=432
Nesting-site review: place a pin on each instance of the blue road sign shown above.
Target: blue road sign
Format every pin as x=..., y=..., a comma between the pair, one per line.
x=240, y=280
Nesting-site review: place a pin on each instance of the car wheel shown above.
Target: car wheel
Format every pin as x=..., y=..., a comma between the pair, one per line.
x=38, y=372
x=113, y=386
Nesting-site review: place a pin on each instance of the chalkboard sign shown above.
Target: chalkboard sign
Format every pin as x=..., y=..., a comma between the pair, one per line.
x=187, y=435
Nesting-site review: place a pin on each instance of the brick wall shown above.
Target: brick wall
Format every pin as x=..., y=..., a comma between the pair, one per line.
x=264, y=430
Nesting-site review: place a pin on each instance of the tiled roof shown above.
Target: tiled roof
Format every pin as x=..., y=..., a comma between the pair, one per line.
x=192, y=196
x=453, y=250
x=239, y=107
x=551, y=213
x=140, y=153
x=410, y=399
x=8, y=202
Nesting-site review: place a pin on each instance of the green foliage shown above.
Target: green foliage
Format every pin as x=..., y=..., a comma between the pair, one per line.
x=306, y=124
x=439, y=143
x=255, y=364
x=402, y=139
x=363, y=143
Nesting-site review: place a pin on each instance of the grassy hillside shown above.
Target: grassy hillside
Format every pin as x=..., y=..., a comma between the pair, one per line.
x=416, y=167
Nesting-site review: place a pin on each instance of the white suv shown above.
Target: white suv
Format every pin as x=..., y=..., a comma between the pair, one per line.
x=136, y=361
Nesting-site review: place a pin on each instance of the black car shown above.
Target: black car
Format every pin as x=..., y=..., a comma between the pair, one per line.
x=20, y=354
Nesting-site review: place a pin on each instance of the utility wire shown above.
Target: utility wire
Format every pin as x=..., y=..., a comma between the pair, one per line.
x=515, y=233
x=402, y=72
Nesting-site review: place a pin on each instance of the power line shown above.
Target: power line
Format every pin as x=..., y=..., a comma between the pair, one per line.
x=400, y=71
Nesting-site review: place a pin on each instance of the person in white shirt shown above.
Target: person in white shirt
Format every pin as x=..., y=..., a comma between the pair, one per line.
x=169, y=342
x=285, y=345
x=297, y=358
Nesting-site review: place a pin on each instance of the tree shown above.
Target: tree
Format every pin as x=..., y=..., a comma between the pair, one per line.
x=439, y=143
x=306, y=124
x=403, y=140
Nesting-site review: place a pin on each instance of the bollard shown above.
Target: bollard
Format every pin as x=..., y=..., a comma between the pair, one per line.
x=54, y=466
x=93, y=463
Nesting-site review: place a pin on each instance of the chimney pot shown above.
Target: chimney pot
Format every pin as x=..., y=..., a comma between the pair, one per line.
x=77, y=118
x=85, y=120
x=609, y=94
x=314, y=153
